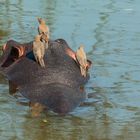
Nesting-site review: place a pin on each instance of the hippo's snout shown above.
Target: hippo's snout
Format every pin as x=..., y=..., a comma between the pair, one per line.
x=58, y=97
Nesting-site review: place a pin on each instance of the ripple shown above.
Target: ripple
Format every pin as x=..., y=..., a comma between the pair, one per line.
x=114, y=87
x=5, y=118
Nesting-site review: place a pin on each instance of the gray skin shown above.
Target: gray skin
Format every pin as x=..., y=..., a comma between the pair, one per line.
x=57, y=86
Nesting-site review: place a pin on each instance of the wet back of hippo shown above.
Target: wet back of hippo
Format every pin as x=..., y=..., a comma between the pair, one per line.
x=58, y=85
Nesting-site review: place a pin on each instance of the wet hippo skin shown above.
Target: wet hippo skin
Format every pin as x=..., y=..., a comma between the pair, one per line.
x=57, y=86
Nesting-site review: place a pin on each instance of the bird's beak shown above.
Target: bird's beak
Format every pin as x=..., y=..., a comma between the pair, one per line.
x=39, y=19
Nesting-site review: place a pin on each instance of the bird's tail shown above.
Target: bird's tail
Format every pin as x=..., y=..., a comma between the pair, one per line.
x=41, y=62
x=83, y=71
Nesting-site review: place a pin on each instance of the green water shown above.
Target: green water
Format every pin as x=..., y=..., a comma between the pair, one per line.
x=110, y=30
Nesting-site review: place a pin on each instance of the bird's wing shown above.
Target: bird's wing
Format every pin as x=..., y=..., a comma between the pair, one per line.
x=81, y=57
x=83, y=53
x=42, y=46
x=35, y=50
x=34, y=45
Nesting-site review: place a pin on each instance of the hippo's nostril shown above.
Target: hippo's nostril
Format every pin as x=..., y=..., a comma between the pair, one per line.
x=63, y=108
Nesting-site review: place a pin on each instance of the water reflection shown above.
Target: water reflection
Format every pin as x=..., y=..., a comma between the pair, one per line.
x=111, y=36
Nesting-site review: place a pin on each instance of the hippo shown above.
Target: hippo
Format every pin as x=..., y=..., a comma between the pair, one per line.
x=59, y=85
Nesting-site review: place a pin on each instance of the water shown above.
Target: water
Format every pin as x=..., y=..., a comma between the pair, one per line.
x=110, y=31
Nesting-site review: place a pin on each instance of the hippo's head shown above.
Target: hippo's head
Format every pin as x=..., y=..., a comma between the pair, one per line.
x=57, y=86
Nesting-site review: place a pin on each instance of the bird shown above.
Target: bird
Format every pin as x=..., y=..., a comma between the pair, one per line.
x=45, y=41
x=82, y=60
x=39, y=50
x=43, y=30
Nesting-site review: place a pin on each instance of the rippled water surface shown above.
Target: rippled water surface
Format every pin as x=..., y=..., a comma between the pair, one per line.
x=110, y=30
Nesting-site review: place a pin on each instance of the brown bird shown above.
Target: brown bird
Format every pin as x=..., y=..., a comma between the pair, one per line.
x=39, y=50
x=82, y=60
x=43, y=30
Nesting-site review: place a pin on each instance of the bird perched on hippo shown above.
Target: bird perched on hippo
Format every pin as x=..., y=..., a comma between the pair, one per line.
x=39, y=50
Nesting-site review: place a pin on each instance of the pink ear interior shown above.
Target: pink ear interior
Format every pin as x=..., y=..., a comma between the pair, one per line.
x=71, y=53
x=4, y=47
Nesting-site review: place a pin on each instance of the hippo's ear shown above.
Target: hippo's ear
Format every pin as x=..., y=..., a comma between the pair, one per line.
x=16, y=49
x=11, y=53
x=20, y=51
x=4, y=47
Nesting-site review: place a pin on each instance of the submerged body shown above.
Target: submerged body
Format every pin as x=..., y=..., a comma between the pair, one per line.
x=57, y=86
